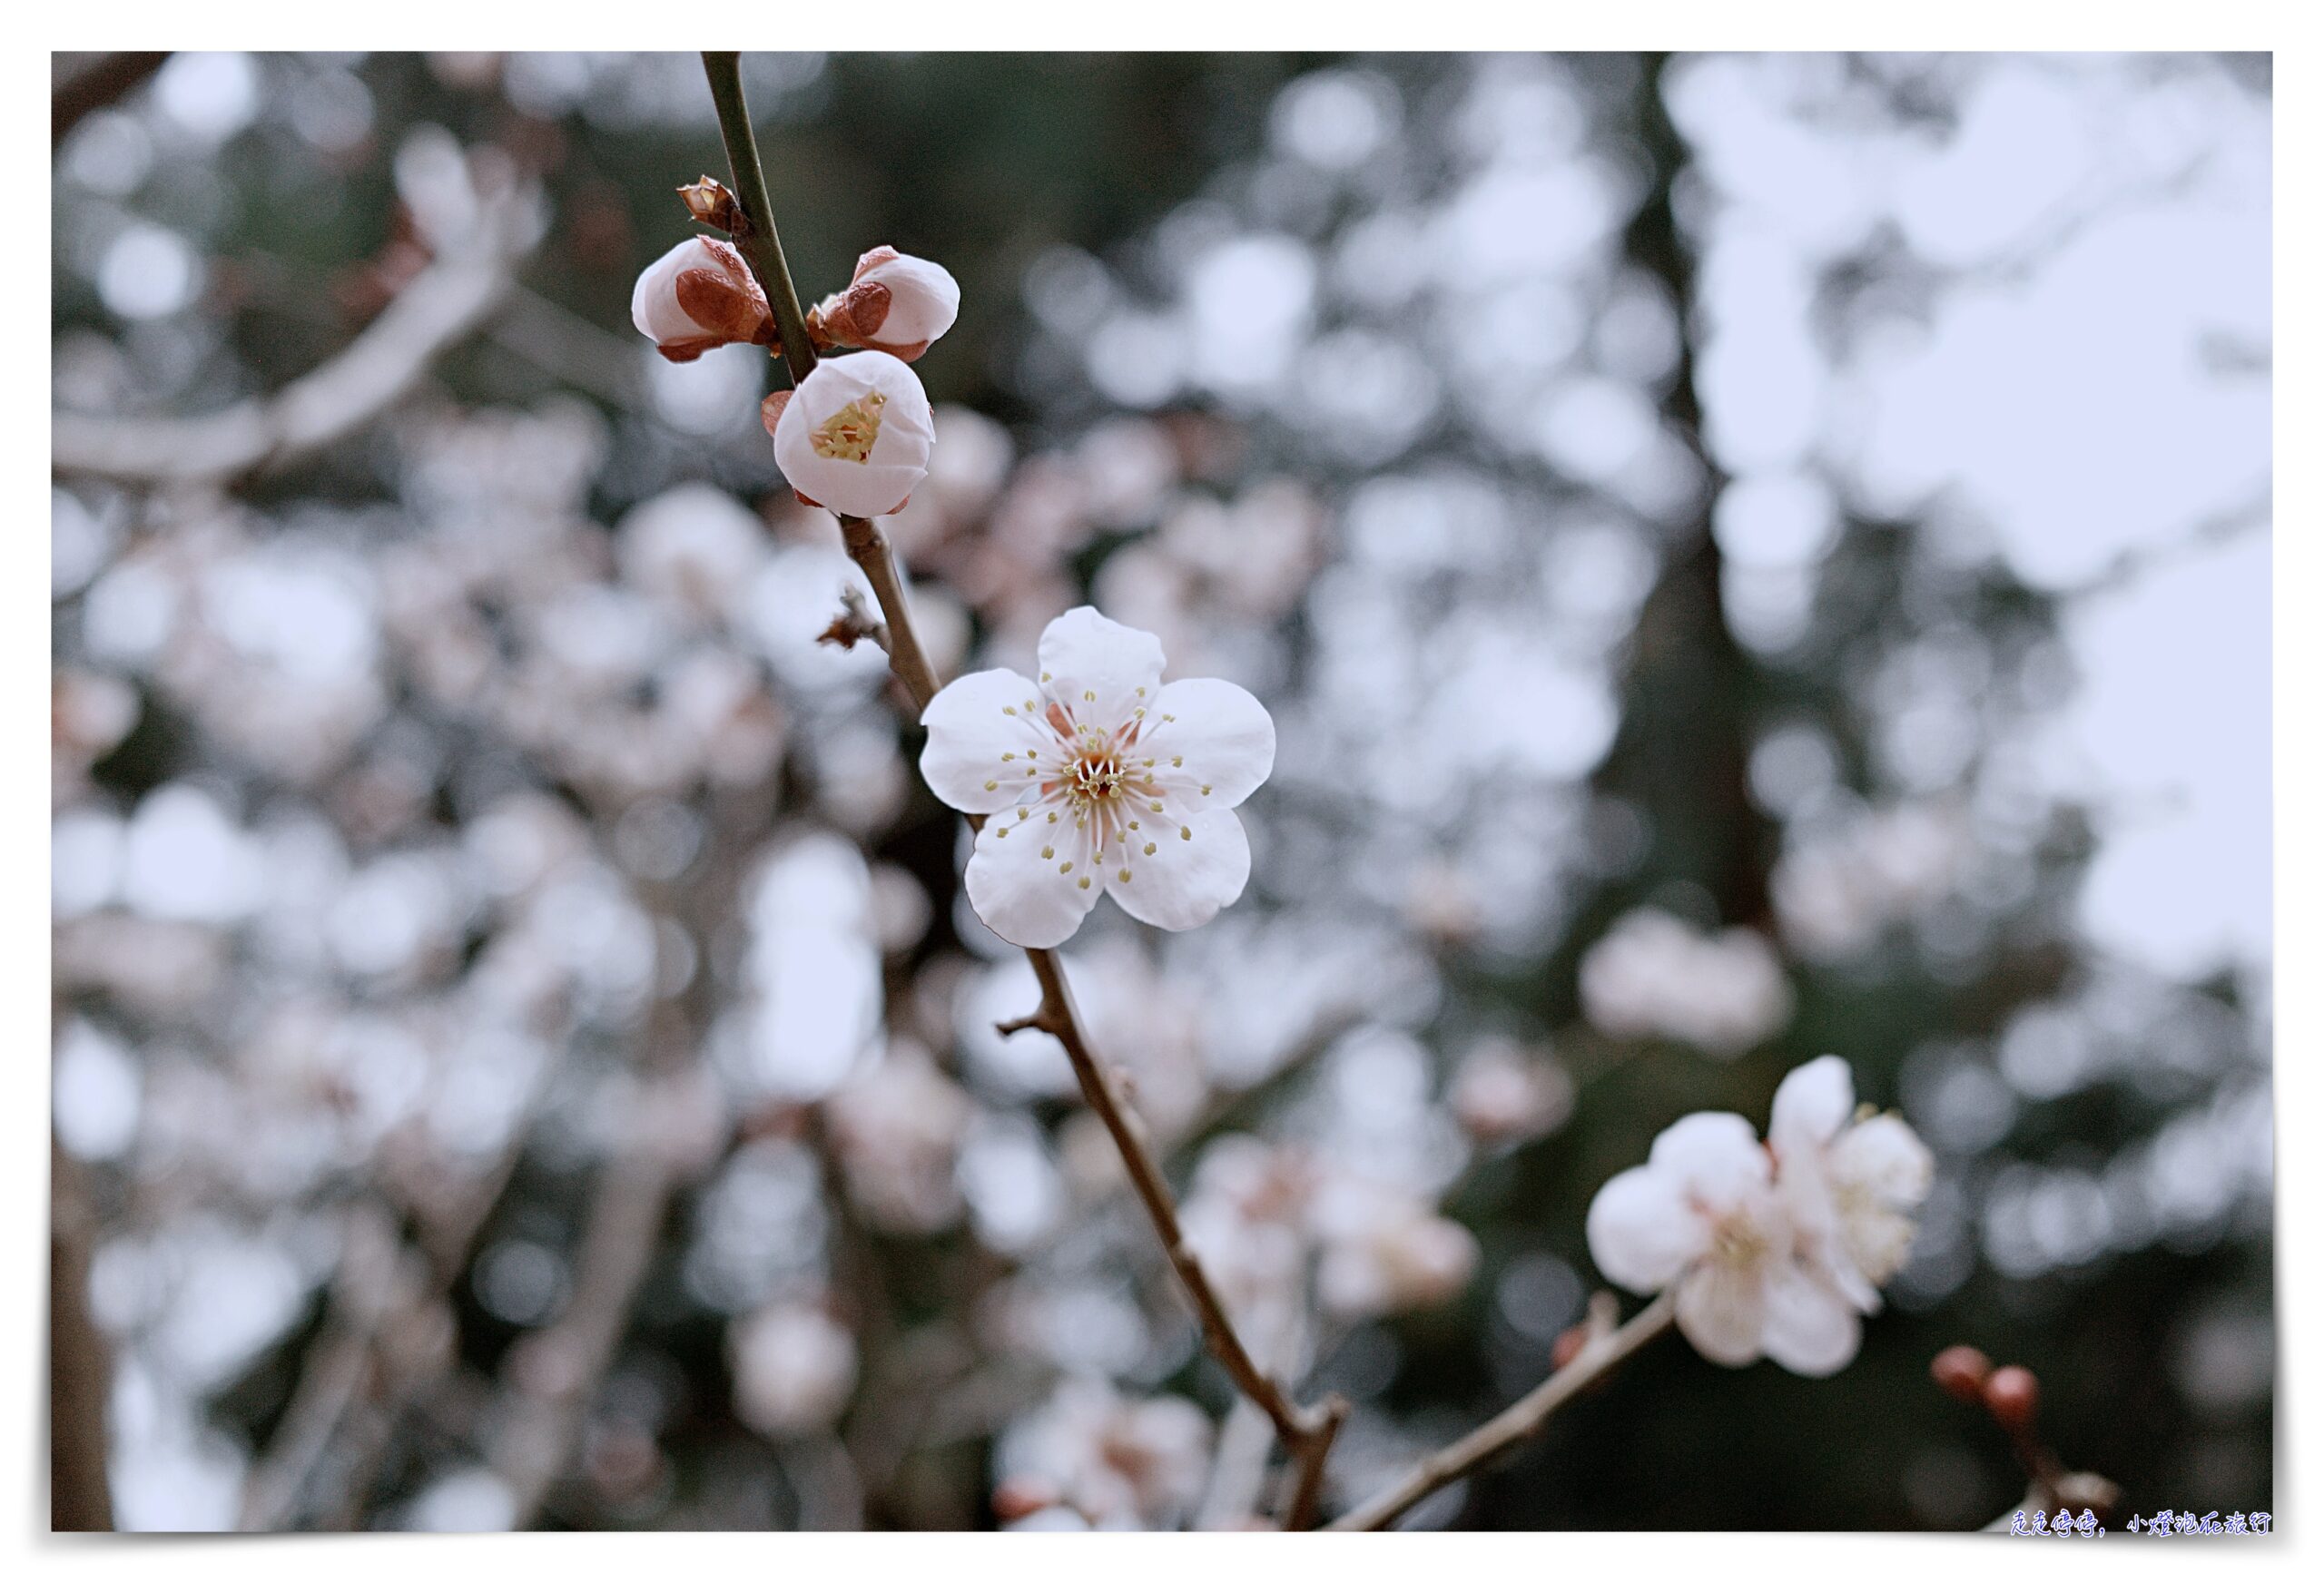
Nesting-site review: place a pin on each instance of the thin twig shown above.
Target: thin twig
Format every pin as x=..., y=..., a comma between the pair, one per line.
x=1305, y=1432
x=1520, y=1420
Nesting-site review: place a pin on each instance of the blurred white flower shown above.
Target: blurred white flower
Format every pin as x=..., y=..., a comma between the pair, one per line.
x=1503, y=1093
x=693, y=546
x=1653, y=977
x=1704, y=1216
x=1852, y=1183
x=1836, y=894
x=1119, y=1463
x=898, y=1126
x=1099, y=775
x=856, y=435
x=896, y=304
x=1386, y=1252
x=794, y=1368
x=697, y=296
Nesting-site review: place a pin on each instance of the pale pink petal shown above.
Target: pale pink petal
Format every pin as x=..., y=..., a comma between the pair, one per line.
x=1030, y=878
x=1641, y=1232
x=1102, y=672
x=984, y=734
x=1809, y=1327
x=1722, y=1309
x=1811, y=1105
x=1715, y=1155
x=1210, y=737
x=1175, y=871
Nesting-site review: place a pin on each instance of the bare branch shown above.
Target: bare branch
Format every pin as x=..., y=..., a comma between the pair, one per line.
x=1520, y=1420
x=1299, y=1428
x=443, y=303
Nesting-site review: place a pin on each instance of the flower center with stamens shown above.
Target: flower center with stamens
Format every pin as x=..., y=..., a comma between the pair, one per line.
x=1097, y=778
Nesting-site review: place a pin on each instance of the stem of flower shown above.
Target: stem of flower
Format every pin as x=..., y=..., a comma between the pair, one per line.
x=760, y=245
x=1305, y=1432
x=1520, y=1420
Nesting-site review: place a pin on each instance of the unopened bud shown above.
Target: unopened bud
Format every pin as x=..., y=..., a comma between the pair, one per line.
x=896, y=304
x=2011, y=1395
x=712, y=204
x=855, y=436
x=1961, y=1372
x=699, y=296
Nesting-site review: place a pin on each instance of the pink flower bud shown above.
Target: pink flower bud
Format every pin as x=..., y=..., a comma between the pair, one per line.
x=698, y=296
x=896, y=304
x=855, y=436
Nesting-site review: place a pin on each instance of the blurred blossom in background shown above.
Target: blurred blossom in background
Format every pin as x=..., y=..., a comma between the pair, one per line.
x=1748, y=557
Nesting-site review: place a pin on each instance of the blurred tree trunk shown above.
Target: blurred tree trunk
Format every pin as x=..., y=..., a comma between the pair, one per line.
x=79, y=1374
x=1684, y=749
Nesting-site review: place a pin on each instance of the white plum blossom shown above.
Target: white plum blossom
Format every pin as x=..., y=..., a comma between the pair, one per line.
x=1703, y=1216
x=1773, y=1250
x=1098, y=778
x=896, y=303
x=856, y=435
x=697, y=296
x=1118, y=1463
x=794, y=1368
x=1850, y=1180
x=1653, y=977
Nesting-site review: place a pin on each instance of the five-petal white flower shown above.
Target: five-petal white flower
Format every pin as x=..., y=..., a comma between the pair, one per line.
x=1098, y=778
x=1851, y=1183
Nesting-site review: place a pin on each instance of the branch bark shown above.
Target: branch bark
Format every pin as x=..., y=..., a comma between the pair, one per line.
x=1305, y=1431
x=80, y=1377
x=1520, y=1420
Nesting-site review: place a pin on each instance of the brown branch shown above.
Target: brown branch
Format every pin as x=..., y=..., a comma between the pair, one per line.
x=1307, y=1466
x=1600, y=1353
x=442, y=304
x=80, y=1375
x=1306, y=1432
x=107, y=78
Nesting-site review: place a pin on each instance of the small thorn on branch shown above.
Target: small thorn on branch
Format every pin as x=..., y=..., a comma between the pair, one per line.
x=855, y=624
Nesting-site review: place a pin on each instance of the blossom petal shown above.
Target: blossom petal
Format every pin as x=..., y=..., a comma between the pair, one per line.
x=1715, y=1155
x=1809, y=1327
x=1029, y=877
x=1175, y=872
x=1722, y=1309
x=971, y=724
x=1886, y=1157
x=1641, y=1232
x=1223, y=735
x=1101, y=671
x=1811, y=1105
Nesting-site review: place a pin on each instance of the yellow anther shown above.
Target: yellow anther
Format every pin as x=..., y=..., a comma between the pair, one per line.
x=1125, y=876
x=1005, y=757
x=1149, y=849
x=1048, y=851
x=1206, y=791
x=992, y=785
x=1088, y=697
x=1009, y=709
x=1156, y=804
x=1066, y=867
x=1185, y=833
x=1085, y=881
x=1177, y=760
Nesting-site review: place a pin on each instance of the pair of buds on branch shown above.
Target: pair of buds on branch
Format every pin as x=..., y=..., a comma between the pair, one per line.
x=2011, y=1396
x=858, y=438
